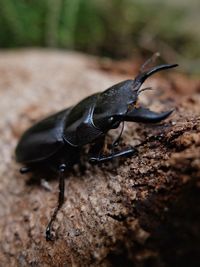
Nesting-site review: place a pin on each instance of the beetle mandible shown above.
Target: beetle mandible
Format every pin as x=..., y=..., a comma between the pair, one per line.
x=56, y=142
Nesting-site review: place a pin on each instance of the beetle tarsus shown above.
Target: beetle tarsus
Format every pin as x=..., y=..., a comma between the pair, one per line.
x=126, y=152
x=49, y=235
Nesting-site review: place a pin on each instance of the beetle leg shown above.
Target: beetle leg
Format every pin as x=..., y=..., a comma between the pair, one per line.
x=49, y=236
x=126, y=152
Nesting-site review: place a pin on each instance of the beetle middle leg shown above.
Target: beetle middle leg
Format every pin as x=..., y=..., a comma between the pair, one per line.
x=49, y=236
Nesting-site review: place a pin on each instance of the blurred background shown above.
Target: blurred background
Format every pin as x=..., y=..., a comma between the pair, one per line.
x=118, y=29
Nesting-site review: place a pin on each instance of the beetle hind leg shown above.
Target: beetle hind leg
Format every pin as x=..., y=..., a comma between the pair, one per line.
x=49, y=236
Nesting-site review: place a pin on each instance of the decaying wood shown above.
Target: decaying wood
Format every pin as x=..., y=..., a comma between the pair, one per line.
x=142, y=211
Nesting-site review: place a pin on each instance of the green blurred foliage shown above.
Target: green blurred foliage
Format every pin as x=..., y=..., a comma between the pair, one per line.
x=115, y=28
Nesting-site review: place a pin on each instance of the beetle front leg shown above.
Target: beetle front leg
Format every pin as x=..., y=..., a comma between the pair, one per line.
x=98, y=157
x=49, y=236
x=103, y=158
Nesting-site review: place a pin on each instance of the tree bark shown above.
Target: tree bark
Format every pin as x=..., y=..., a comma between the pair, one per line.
x=140, y=211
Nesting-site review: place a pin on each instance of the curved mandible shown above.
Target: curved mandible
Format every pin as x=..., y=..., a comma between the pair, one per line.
x=141, y=77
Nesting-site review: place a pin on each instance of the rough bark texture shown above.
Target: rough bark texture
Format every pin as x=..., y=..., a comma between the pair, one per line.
x=142, y=211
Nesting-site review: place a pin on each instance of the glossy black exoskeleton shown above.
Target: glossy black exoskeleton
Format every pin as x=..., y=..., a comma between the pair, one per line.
x=56, y=142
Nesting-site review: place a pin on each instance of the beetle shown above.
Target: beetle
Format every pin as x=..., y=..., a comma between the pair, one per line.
x=55, y=143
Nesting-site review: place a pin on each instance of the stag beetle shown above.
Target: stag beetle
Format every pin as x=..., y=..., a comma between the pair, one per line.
x=56, y=142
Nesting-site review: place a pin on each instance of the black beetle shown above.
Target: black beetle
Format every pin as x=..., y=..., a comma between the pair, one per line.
x=55, y=142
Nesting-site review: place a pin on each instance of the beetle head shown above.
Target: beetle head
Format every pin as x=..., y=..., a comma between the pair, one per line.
x=119, y=103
